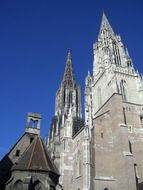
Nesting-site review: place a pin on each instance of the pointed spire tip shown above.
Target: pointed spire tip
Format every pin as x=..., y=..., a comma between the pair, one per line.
x=105, y=24
x=68, y=77
x=69, y=54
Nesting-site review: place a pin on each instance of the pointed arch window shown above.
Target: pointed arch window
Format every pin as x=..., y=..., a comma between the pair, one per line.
x=33, y=123
x=123, y=90
x=116, y=53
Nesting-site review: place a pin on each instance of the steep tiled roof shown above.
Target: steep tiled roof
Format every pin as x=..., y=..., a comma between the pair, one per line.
x=36, y=157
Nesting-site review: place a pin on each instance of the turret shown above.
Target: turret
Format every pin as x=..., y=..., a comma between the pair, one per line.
x=33, y=124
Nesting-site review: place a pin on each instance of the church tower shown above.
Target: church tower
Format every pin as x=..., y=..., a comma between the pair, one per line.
x=113, y=69
x=68, y=95
x=67, y=113
x=113, y=113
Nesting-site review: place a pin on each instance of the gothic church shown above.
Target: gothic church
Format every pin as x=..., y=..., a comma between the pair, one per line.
x=104, y=151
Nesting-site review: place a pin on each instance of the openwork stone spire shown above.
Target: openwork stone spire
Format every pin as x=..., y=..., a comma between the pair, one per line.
x=68, y=78
x=67, y=120
x=105, y=25
x=68, y=97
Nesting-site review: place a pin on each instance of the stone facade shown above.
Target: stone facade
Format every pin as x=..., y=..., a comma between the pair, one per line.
x=28, y=165
x=66, y=122
x=105, y=152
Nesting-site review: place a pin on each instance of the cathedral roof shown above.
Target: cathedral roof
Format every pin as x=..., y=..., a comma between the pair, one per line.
x=68, y=78
x=36, y=157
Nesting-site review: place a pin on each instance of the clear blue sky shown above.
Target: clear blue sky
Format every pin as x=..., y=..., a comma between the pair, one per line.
x=34, y=38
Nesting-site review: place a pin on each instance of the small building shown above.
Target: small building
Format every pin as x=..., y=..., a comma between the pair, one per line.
x=28, y=165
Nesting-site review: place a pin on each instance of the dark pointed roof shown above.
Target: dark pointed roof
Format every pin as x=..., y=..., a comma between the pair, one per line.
x=105, y=24
x=68, y=78
x=36, y=157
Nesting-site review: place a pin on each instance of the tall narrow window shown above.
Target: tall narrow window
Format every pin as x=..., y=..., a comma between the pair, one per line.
x=77, y=99
x=64, y=96
x=130, y=147
x=124, y=113
x=102, y=135
x=123, y=89
x=116, y=54
x=136, y=176
x=17, y=153
x=78, y=164
x=141, y=120
x=31, y=139
x=99, y=97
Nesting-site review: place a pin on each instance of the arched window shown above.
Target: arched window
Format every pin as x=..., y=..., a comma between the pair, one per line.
x=123, y=89
x=18, y=185
x=33, y=123
x=99, y=97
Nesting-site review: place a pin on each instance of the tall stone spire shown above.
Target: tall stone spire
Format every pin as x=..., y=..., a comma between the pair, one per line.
x=105, y=25
x=67, y=120
x=109, y=50
x=68, y=78
x=68, y=96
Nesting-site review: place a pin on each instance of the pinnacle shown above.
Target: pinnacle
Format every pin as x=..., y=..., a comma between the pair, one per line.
x=105, y=25
x=68, y=78
x=69, y=54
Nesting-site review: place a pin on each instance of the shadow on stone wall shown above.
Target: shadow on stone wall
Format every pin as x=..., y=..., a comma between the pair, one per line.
x=140, y=186
x=5, y=171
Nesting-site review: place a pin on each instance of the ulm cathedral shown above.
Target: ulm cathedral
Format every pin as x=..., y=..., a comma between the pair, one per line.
x=102, y=152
